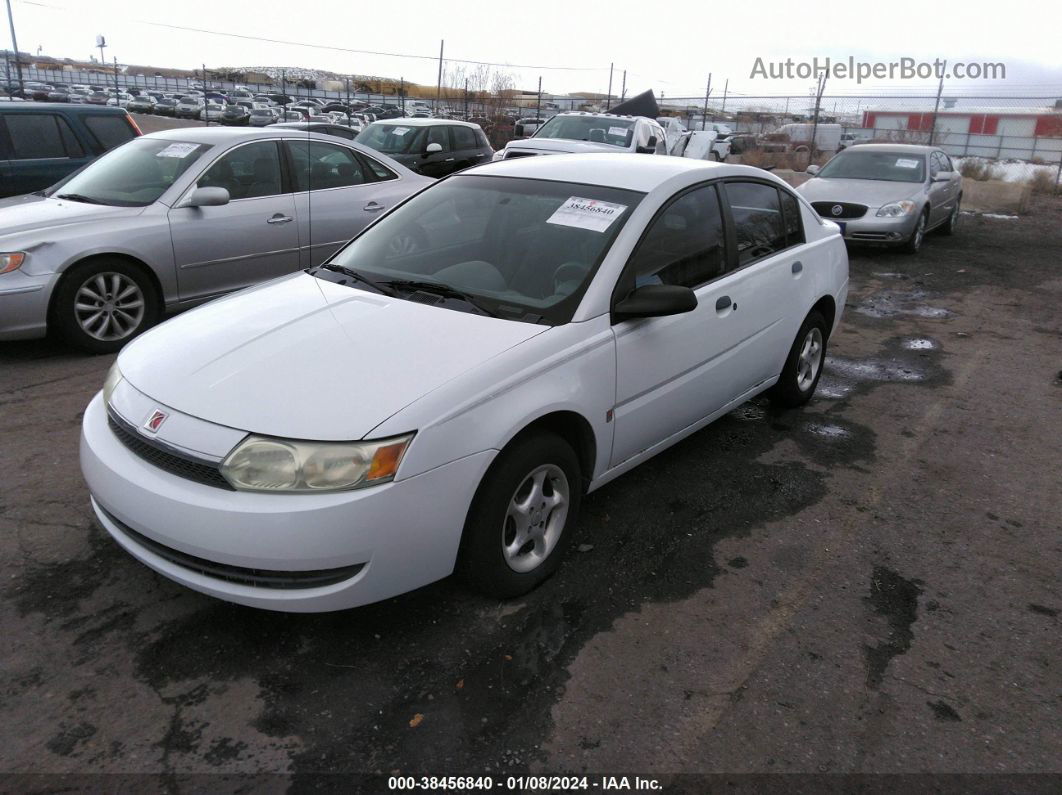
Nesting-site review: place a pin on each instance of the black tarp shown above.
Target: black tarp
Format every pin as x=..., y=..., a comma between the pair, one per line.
x=643, y=104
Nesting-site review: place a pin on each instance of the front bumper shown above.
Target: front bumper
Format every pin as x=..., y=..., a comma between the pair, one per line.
x=393, y=538
x=24, y=304
x=872, y=229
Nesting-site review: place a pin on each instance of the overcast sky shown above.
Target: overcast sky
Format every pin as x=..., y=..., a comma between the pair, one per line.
x=670, y=47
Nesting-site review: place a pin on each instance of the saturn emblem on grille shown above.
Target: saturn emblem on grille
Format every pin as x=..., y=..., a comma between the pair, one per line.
x=837, y=209
x=154, y=422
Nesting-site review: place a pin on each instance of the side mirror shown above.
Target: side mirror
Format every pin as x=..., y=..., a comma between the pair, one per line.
x=431, y=149
x=207, y=197
x=655, y=300
x=943, y=176
x=813, y=170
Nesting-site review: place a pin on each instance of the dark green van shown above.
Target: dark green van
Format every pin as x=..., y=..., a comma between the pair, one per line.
x=42, y=142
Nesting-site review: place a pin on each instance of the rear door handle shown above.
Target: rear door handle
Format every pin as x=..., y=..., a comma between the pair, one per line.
x=279, y=219
x=373, y=207
x=798, y=266
x=449, y=160
x=723, y=303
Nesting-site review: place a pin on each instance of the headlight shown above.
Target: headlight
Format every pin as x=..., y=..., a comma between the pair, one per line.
x=260, y=463
x=896, y=209
x=114, y=377
x=11, y=261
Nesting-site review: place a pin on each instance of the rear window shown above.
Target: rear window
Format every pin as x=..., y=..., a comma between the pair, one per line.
x=110, y=131
x=41, y=135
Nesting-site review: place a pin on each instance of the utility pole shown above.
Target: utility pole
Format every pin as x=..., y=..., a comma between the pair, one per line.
x=117, y=90
x=726, y=87
x=14, y=44
x=707, y=93
x=438, y=85
x=815, y=125
x=206, y=118
x=101, y=42
x=538, y=106
x=466, y=99
x=402, y=93
x=608, y=99
x=936, y=107
x=623, y=90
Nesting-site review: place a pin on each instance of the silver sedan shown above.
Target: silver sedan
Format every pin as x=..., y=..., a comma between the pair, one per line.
x=887, y=193
x=175, y=218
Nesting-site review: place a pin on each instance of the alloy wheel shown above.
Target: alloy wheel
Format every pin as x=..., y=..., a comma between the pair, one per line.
x=109, y=306
x=810, y=359
x=535, y=518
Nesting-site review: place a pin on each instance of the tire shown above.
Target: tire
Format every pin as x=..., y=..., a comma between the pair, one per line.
x=914, y=242
x=490, y=560
x=803, y=366
x=952, y=223
x=86, y=315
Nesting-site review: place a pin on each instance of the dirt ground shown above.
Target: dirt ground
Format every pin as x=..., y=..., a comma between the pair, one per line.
x=869, y=585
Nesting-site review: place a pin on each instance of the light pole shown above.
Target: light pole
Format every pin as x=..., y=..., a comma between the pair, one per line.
x=14, y=44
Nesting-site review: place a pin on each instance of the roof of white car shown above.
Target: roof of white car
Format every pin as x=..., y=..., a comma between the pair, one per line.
x=411, y=121
x=638, y=172
x=219, y=136
x=912, y=149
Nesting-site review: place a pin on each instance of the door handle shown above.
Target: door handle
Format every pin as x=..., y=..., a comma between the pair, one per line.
x=279, y=219
x=724, y=303
x=449, y=160
x=798, y=266
x=373, y=207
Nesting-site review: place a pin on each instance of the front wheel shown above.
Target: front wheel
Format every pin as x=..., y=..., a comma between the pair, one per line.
x=914, y=242
x=521, y=518
x=102, y=305
x=803, y=366
x=953, y=219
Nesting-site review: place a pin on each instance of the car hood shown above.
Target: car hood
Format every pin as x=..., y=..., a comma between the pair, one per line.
x=558, y=146
x=21, y=214
x=871, y=192
x=305, y=358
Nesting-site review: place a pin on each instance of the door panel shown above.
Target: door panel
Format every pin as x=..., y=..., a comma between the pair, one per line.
x=252, y=238
x=335, y=197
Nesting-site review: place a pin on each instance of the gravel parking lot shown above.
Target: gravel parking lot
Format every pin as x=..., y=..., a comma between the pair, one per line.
x=869, y=584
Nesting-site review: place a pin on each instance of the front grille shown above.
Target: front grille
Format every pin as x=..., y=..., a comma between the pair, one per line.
x=165, y=458
x=256, y=578
x=825, y=209
x=512, y=155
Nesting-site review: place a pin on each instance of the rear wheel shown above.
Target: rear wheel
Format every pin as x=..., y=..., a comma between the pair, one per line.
x=521, y=518
x=803, y=366
x=103, y=304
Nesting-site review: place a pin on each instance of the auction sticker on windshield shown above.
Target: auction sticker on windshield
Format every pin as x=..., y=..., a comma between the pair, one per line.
x=587, y=214
x=906, y=163
x=177, y=150
x=620, y=131
x=399, y=131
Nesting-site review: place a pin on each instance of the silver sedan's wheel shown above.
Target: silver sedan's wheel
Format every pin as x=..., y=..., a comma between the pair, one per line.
x=536, y=517
x=810, y=359
x=109, y=306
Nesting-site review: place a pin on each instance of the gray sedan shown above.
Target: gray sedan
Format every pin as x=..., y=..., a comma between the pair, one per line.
x=887, y=193
x=175, y=218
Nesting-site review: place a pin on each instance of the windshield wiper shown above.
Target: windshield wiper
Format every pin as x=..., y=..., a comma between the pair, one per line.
x=78, y=197
x=353, y=274
x=440, y=289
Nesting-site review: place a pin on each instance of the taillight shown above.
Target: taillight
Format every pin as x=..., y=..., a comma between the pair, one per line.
x=132, y=123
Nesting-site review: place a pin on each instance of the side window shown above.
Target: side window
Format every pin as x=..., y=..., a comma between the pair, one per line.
x=757, y=220
x=438, y=135
x=247, y=172
x=661, y=140
x=320, y=166
x=794, y=229
x=482, y=138
x=378, y=169
x=464, y=138
x=945, y=162
x=41, y=135
x=934, y=164
x=684, y=244
x=110, y=131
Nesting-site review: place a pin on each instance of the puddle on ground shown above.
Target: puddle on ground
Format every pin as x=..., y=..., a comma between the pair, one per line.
x=889, y=276
x=919, y=344
x=827, y=430
x=873, y=369
x=889, y=303
x=832, y=388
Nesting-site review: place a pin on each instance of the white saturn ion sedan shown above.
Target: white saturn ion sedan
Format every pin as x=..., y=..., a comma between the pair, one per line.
x=351, y=432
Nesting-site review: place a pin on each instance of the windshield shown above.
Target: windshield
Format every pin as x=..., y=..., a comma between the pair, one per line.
x=596, y=129
x=523, y=249
x=132, y=175
x=885, y=166
x=391, y=139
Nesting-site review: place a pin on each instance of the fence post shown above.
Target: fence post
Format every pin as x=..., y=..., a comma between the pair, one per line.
x=707, y=93
x=608, y=98
x=936, y=108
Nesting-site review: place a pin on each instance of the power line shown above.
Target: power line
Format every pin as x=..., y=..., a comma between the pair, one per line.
x=332, y=48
